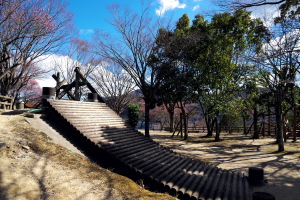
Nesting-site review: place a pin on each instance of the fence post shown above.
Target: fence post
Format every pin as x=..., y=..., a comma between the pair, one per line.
x=48, y=93
x=77, y=98
x=58, y=76
x=92, y=97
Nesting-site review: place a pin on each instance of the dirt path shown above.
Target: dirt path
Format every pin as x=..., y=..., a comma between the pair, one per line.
x=27, y=175
x=238, y=153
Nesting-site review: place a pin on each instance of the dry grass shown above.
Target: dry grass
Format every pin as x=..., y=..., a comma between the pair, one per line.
x=40, y=144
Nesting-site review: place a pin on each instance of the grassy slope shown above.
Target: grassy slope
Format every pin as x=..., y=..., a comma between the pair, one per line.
x=40, y=144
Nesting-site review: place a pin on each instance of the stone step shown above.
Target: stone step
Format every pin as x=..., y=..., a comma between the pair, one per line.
x=102, y=129
x=97, y=124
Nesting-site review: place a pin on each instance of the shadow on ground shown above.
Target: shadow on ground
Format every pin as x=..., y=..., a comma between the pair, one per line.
x=238, y=153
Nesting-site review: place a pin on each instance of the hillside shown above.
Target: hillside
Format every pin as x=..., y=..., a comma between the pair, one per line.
x=34, y=166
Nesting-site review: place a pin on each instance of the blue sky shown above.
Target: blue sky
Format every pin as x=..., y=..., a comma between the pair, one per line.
x=93, y=14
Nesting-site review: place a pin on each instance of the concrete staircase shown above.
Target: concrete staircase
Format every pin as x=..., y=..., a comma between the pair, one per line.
x=169, y=171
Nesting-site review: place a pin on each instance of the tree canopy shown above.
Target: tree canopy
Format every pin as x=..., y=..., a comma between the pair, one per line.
x=203, y=61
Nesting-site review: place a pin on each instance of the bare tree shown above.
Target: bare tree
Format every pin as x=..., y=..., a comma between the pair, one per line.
x=131, y=50
x=114, y=84
x=279, y=65
x=29, y=29
x=77, y=55
x=288, y=8
x=252, y=3
x=27, y=75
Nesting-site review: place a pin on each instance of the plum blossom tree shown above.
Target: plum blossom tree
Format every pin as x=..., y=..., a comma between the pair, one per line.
x=22, y=77
x=31, y=92
x=29, y=29
x=159, y=115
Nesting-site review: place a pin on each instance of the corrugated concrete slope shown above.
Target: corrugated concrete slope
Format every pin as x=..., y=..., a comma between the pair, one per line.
x=176, y=174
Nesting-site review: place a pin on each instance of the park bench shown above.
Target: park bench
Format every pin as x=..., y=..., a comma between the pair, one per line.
x=6, y=102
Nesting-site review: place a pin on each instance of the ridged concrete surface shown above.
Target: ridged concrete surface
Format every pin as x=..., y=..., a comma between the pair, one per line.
x=176, y=174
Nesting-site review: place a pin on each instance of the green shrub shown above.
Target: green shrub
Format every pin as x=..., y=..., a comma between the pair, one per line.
x=133, y=114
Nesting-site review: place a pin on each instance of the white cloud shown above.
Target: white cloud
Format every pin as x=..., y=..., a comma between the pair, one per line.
x=166, y=5
x=265, y=13
x=287, y=43
x=86, y=31
x=48, y=64
x=46, y=82
x=196, y=7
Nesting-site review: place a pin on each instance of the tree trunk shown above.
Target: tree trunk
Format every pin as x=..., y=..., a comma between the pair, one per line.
x=181, y=126
x=279, y=123
x=209, y=126
x=2, y=91
x=255, y=119
x=147, y=119
x=217, y=138
x=5, y=86
x=171, y=114
x=269, y=120
x=263, y=126
x=185, y=124
x=208, y=122
x=244, y=124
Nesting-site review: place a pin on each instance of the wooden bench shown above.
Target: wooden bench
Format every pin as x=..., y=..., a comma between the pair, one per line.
x=6, y=102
